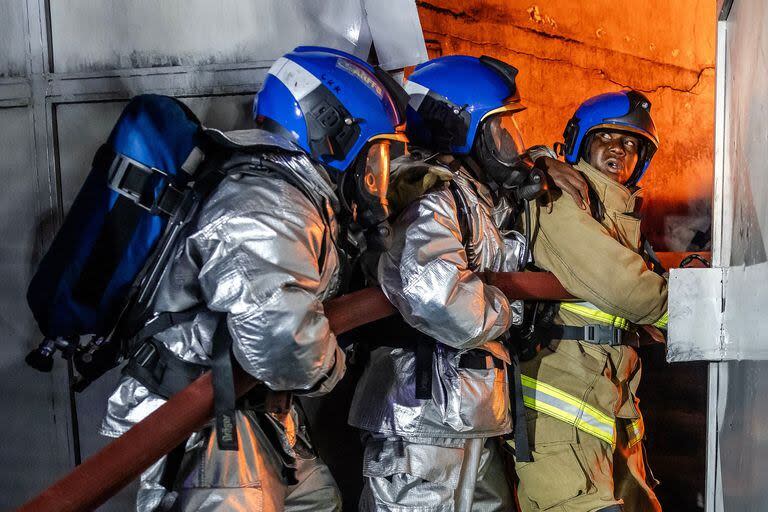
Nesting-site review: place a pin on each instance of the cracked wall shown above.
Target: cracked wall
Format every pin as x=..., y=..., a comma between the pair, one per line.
x=567, y=51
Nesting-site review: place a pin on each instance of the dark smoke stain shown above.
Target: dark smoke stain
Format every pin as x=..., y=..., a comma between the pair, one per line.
x=747, y=244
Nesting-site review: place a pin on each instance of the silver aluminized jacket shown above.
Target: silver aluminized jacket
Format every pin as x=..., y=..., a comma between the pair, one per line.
x=264, y=254
x=429, y=277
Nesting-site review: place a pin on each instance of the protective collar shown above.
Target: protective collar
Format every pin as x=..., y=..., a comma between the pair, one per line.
x=612, y=194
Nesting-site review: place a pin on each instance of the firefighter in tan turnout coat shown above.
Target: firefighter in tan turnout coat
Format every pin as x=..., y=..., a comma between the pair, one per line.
x=584, y=424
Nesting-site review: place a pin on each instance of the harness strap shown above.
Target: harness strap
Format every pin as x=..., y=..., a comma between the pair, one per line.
x=424, y=350
x=223, y=387
x=171, y=470
x=462, y=211
x=475, y=360
x=160, y=370
x=165, y=374
x=594, y=333
x=522, y=445
x=166, y=320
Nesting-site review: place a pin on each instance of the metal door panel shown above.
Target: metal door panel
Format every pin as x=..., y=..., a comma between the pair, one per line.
x=91, y=35
x=33, y=450
x=13, y=37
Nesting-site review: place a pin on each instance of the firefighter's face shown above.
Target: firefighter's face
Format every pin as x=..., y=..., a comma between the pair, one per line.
x=614, y=154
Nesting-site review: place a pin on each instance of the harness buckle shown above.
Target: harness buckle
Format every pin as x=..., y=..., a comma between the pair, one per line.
x=133, y=180
x=144, y=354
x=603, y=334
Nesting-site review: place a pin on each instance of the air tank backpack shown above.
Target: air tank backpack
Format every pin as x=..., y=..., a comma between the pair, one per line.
x=145, y=184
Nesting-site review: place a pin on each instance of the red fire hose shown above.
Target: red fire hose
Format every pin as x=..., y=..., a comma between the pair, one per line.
x=117, y=464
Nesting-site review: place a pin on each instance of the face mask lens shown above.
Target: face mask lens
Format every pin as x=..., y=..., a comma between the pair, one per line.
x=503, y=137
x=376, y=174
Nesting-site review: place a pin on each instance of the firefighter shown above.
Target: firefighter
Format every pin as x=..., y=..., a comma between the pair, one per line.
x=261, y=257
x=580, y=387
x=433, y=397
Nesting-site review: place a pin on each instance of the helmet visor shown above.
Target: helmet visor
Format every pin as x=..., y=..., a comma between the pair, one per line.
x=502, y=136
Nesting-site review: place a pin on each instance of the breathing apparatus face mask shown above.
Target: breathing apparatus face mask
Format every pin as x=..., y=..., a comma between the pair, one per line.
x=500, y=151
x=366, y=194
x=499, y=148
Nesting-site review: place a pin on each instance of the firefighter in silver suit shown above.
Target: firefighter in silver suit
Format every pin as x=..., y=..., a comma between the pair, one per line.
x=262, y=256
x=434, y=396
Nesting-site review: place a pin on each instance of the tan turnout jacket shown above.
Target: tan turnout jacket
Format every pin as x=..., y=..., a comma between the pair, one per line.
x=599, y=262
x=584, y=421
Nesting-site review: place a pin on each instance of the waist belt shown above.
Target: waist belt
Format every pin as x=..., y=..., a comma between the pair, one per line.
x=394, y=332
x=165, y=374
x=594, y=333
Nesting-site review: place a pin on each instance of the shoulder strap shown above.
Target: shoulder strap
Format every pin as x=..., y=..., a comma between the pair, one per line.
x=462, y=211
x=138, y=307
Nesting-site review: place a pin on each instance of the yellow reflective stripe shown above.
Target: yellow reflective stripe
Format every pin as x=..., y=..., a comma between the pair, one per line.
x=662, y=322
x=635, y=431
x=562, y=395
x=565, y=407
x=561, y=415
x=590, y=312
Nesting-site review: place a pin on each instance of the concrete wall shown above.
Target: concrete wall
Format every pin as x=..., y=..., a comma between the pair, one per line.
x=567, y=51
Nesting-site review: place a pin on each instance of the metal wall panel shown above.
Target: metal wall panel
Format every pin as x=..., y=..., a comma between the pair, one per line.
x=396, y=30
x=742, y=436
x=92, y=35
x=738, y=413
x=13, y=37
x=82, y=128
x=747, y=98
x=33, y=450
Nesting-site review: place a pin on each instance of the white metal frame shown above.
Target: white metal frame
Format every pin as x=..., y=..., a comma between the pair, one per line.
x=721, y=251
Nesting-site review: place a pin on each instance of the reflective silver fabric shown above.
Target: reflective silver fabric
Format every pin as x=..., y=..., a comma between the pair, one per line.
x=253, y=254
x=402, y=475
x=210, y=479
x=261, y=252
x=429, y=277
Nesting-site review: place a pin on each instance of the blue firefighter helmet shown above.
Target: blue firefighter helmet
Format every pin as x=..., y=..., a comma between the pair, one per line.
x=330, y=103
x=625, y=111
x=452, y=97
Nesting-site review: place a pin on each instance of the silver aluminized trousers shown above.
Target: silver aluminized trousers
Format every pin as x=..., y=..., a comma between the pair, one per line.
x=402, y=475
x=214, y=480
